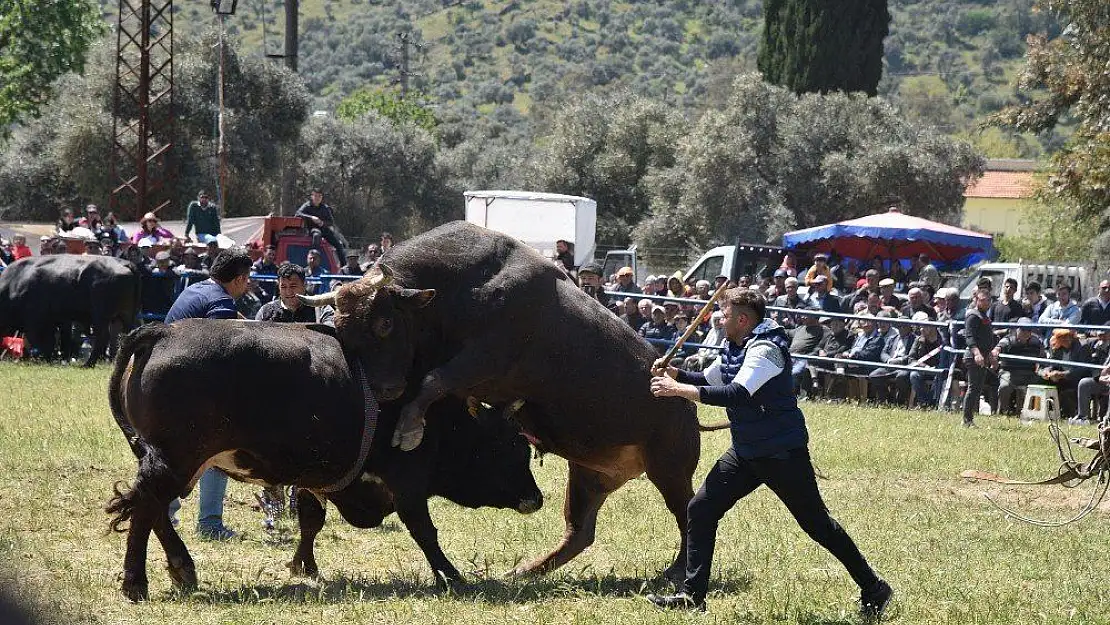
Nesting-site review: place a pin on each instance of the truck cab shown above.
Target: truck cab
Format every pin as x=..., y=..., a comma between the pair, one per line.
x=733, y=261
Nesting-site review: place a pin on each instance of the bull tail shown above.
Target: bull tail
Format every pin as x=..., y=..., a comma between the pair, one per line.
x=154, y=480
x=138, y=345
x=713, y=427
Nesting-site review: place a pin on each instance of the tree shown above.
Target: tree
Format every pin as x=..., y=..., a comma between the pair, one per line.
x=1054, y=233
x=387, y=103
x=770, y=161
x=41, y=40
x=822, y=46
x=1065, y=77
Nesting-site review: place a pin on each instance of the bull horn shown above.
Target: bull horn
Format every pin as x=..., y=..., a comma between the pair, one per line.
x=380, y=275
x=316, y=301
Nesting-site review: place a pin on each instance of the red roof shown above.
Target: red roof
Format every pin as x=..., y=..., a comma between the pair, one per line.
x=1002, y=184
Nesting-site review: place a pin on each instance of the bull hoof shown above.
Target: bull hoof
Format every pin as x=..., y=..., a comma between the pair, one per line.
x=183, y=576
x=532, y=569
x=449, y=581
x=135, y=589
x=301, y=568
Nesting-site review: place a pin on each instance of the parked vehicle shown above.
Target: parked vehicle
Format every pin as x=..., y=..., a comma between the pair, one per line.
x=538, y=219
x=1048, y=276
x=733, y=261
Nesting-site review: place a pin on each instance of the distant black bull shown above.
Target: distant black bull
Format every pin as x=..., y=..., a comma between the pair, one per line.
x=278, y=404
x=44, y=294
x=479, y=313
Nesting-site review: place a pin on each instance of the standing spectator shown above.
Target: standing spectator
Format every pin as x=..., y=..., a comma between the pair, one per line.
x=1034, y=304
x=1064, y=346
x=928, y=273
x=267, y=266
x=980, y=360
x=213, y=299
x=1015, y=375
x=564, y=256
x=150, y=230
x=204, y=216
x=320, y=220
x=66, y=222
x=314, y=268
x=789, y=265
x=373, y=253
x=6, y=255
x=385, y=242
x=632, y=315
x=1063, y=310
x=1007, y=309
x=790, y=300
x=625, y=284
x=19, y=247
x=352, y=268
x=916, y=304
x=92, y=220
x=820, y=268
x=1096, y=311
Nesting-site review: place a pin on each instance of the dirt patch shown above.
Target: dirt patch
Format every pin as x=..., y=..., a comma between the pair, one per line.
x=1018, y=498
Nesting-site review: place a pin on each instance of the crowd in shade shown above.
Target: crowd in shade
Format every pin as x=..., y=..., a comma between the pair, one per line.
x=869, y=355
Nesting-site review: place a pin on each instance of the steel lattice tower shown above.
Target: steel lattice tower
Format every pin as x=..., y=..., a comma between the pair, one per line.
x=143, y=115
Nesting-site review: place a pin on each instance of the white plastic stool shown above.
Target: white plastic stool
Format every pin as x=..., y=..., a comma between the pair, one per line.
x=1041, y=403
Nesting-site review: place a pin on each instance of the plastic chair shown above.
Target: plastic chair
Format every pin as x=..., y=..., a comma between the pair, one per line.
x=1041, y=403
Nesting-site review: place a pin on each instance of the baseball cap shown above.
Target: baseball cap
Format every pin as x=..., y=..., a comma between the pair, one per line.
x=821, y=256
x=920, y=316
x=824, y=320
x=162, y=256
x=820, y=278
x=781, y=273
x=657, y=308
x=624, y=271
x=593, y=268
x=1025, y=321
x=352, y=254
x=886, y=282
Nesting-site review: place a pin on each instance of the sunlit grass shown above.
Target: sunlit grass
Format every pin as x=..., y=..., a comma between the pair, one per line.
x=892, y=481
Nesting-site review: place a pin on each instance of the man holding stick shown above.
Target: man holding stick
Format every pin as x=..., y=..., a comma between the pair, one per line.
x=752, y=380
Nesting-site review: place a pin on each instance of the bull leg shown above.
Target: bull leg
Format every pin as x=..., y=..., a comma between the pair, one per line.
x=673, y=482
x=310, y=520
x=586, y=491
x=467, y=369
x=179, y=564
x=413, y=512
x=100, y=344
x=135, y=584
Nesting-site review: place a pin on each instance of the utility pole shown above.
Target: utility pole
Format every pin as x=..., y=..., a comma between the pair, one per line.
x=404, y=37
x=289, y=156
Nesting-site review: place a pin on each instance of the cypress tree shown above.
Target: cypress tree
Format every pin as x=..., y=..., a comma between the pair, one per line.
x=824, y=45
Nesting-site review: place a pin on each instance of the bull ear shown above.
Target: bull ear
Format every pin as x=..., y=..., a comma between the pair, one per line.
x=418, y=297
x=473, y=406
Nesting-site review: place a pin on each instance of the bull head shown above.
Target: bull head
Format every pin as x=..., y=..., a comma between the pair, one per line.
x=379, y=276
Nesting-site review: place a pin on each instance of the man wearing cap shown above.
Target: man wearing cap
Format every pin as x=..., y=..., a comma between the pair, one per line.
x=1015, y=375
x=589, y=280
x=320, y=220
x=658, y=329
x=790, y=299
x=352, y=268
x=861, y=294
x=820, y=297
x=770, y=445
x=820, y=268
x=204, y=216
x=925, y=352
x=625, y=283
x=778, y=286
x=887, y=296
x=927, y=272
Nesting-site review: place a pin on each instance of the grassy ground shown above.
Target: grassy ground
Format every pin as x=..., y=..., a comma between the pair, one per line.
x=892, y=480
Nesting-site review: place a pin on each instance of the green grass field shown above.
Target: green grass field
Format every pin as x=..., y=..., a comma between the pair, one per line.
x=892, y=480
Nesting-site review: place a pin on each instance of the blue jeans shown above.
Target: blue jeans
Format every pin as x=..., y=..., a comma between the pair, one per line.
x=210, y=511
x=918, y=382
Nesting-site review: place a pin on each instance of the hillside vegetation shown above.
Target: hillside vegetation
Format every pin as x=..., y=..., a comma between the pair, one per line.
x=948, y=62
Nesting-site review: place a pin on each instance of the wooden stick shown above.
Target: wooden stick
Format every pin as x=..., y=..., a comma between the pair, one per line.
x=694, y=324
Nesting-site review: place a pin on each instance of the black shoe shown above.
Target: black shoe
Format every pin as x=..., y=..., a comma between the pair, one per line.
x=873, y=602
x=680, y=601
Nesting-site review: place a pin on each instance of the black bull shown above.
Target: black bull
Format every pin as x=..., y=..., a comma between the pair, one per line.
x=44, y=294
x=486, y=315
x=278, y=404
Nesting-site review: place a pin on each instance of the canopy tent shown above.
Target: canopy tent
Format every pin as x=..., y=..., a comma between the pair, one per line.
x=895, y=236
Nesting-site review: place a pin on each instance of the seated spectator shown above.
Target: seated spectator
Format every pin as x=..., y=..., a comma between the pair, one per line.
x=373, y=253
x=632, y=315
x=1015, y=375
x=1093, y=386
x=6, y=255
x=1064, y=346
x=862, y=293
x=790, y=300
x=352, y=268
x=670, y=310
x=66, y=222
x=658, y=328
x=874, y=303
x=924, y=352
x=820, y=268
x=150, y=230
x=1063, y=310
x=288, y=307
x=681, y=322
x=701, y=290
x=1007, y=308
x=114, y=230
x=177, y=251
x=887, y=298
x=191, y=268
x=92, y=219
x=836, y=341
x=626, y=282
x=564, y=256
x=715, y=337
x=916, y=304
x=19, y=247
x=1096, y=311
x=744, y=282
x=159, y=285
x=211, y=251
x=778, y=285
x=1034, y=303
x=248, y=304
x=868, y=346
x=675, y=287
x=804, y=340
x=897, y=341
x=718, y=281
x=819, y=296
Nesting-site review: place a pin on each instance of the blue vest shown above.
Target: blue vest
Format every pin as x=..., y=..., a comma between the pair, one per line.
x=771, y=423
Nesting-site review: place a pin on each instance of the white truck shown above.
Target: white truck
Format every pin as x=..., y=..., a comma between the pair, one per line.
x=538, y=219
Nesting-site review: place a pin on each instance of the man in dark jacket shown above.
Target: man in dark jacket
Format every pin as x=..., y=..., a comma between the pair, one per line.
x=320, y=220
x=752, y=381
x=980, y=360
x=204, y=216
x=1016, y=375
x=288, y=307
x=1096, y=311
x=1007, y=309
x=924, y=352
